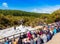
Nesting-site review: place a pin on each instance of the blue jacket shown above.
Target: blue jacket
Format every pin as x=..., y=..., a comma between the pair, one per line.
x=6, y=42
x=54, y=31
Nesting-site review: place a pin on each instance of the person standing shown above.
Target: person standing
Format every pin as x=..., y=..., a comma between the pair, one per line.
x=29, y=35
x=38, y=39
x=6, y=41
x=14, y=41
x=14, y=27
x=44, y=38
x=20, y=40
x=54, y=30
x=32, y=41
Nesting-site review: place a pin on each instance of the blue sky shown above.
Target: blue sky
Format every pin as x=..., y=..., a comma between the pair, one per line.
x=44, y=6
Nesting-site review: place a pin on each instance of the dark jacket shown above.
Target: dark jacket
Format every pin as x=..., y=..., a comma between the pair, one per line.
x=19, y=41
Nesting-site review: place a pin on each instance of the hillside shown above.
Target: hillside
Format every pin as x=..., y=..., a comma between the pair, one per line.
x=57, y=11
x=10, y=18
x=20, y=13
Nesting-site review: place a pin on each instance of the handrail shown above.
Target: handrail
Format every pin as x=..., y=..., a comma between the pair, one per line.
x=14, y=35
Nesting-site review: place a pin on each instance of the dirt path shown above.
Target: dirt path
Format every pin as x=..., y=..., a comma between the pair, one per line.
x=55, y=39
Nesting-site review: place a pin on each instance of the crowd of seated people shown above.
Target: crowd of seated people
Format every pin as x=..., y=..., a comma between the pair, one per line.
x=41, y=36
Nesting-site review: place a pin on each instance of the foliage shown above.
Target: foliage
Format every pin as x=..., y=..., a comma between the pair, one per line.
x=10, y=18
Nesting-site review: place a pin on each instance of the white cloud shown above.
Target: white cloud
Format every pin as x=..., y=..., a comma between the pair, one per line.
x=47, y=9
x=5, y=5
